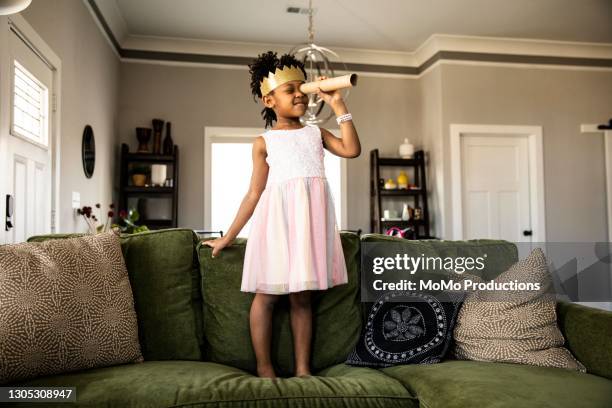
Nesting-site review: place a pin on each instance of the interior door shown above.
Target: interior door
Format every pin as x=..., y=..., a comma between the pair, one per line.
x=495, y=187
x=27, y=168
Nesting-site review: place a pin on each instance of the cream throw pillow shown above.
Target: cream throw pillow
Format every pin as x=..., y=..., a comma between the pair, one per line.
x=514, y=326
x=65, y=305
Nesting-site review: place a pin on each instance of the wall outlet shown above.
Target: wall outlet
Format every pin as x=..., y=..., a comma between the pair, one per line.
x=76, y=200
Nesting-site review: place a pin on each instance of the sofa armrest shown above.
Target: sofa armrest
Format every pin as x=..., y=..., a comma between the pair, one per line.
x=588, y=335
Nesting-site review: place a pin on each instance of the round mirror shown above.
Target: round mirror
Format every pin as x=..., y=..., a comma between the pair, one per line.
x=88, y=151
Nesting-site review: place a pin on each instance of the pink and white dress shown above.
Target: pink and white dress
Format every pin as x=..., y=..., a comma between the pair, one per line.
x=294, y=243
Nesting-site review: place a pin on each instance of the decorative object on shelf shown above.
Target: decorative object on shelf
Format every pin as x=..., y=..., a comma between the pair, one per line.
x=406, y=149
x=402, y=180
x=317, y=62
x=168, y=143
x=88, y=151
x=92, y=220
x=158, y=174
x=405, y=213
x=139, y=176
x=418, y=213
x=157, y=199
x=390, y=215
x=390, y=184
x=158, y=127
x=144, y=136
x=381, y=196
x=139, y=180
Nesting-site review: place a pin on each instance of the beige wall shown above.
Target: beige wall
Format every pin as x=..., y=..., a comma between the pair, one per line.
x=116, y=97
x=90, y=77
x=388, y=109
x=431, y=141
x=385, y=110
x=559, y=100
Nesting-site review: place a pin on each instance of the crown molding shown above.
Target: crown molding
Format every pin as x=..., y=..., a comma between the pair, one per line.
x=437, y=48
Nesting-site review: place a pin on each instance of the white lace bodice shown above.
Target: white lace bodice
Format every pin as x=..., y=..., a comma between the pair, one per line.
x=294, y=153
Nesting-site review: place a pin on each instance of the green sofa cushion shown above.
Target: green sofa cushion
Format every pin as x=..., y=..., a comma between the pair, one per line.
x=588, y=335
x=165, y=280
x=466, y=384
x=336, y=313
x=204, y=384
x=164, y=276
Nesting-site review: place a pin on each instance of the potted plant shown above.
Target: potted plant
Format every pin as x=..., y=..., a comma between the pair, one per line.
x=139, y=175
x=128, y=219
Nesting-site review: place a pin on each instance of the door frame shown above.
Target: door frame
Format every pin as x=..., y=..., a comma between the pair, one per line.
x=215, y=131
x=607, y=140
x=536, y=172
x=23, y=29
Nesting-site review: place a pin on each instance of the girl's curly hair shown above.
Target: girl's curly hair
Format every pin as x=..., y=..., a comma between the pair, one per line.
x=260, y=68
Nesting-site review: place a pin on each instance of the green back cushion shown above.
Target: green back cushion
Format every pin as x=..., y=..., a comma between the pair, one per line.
x=164, y=276
x=336, y=313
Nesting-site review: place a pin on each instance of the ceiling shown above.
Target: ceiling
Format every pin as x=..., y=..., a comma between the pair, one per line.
x=389, y=25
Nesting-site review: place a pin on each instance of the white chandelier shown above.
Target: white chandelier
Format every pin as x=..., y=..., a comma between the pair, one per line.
x=316, y=60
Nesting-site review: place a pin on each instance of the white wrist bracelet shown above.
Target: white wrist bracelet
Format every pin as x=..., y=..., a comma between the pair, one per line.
x=344, y=118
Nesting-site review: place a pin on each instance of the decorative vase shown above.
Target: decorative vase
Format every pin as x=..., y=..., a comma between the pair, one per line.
x=158, y=174
x=406, y=149
x=143, y=135
x=390, y=184
x=158, y=127
x=139, y=180
x=168, y=142
x=402, y=180
x=405, y=213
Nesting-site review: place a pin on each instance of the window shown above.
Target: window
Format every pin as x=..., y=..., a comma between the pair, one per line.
x=30, y=106
x=230, y=175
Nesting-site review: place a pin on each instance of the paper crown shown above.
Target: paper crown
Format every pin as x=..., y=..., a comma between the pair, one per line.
x=279, y=77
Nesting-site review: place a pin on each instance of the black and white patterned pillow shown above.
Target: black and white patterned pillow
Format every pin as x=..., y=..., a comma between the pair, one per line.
x=405, y=327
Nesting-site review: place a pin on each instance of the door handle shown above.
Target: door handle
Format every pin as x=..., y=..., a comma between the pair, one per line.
x=9, y=213
x=527, y=233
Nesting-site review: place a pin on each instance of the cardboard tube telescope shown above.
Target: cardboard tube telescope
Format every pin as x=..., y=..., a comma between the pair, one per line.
x=330, y=84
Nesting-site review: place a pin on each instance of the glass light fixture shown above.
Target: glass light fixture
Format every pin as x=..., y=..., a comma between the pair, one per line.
x=13, y=6
x=317, y=61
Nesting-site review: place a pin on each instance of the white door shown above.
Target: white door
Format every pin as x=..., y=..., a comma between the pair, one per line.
x=495, y=187
x=27, y=168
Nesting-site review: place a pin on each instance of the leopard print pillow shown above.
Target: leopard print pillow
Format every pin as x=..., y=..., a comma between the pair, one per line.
x=65, y=305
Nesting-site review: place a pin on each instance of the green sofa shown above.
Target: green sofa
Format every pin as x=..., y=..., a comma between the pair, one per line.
x=193, y=329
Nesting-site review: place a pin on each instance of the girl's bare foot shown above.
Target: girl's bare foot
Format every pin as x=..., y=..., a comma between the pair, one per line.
x=302, y=373
x=267, y=372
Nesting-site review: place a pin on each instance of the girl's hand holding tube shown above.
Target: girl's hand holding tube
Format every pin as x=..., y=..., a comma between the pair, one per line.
x=218, y=244
x=332, y=98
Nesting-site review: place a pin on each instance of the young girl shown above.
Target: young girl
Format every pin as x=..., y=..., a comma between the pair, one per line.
x=294, y=244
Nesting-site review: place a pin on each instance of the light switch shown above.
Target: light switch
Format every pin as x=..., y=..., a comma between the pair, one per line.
x=76, y=200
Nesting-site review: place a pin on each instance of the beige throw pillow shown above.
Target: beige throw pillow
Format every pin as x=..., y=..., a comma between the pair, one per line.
x=65, y=305
x=514, y=326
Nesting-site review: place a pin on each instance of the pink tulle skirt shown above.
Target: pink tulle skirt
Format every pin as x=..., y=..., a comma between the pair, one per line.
x=294, y=243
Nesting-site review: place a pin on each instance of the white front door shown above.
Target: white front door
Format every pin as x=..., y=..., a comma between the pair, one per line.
x=495, y=187
x=28, y=141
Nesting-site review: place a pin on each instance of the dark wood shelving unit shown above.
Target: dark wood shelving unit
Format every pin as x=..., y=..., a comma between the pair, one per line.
x=418, y=195
x=126, y=190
